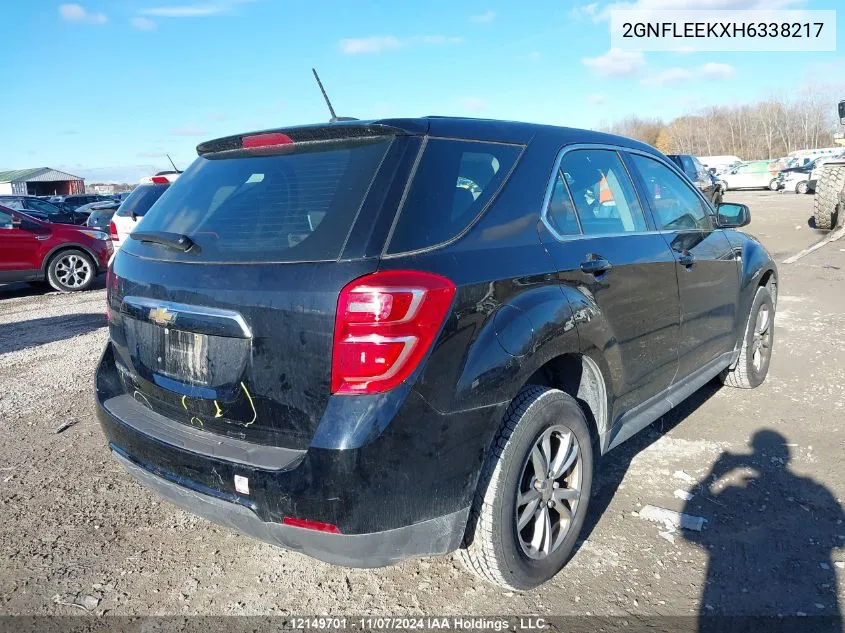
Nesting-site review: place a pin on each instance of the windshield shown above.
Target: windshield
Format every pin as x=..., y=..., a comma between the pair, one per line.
x=297, y=206
x=140, y=200
x=34, y=204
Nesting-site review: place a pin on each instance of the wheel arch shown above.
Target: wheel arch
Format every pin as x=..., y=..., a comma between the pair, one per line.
x=67, y=246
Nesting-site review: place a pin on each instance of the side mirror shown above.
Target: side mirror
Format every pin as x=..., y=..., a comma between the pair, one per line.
x=733, y=216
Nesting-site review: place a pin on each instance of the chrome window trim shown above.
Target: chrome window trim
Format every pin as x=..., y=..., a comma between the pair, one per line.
x=615, y=148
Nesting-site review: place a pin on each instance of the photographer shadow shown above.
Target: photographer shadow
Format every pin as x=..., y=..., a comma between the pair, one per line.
x=770, y=539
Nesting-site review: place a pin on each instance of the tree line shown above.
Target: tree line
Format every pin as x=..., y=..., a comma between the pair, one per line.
x=768, y=129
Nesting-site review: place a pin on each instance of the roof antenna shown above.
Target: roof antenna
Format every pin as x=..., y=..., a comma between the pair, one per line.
x=172, y=163
x=334, y=118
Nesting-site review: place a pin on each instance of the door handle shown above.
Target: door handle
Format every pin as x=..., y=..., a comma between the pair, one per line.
x=595, y=265
x=687, y=259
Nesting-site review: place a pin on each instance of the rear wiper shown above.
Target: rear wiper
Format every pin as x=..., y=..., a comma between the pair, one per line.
x=176, y=241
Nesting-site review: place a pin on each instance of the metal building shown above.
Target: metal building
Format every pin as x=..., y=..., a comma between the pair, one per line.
x=40, y=181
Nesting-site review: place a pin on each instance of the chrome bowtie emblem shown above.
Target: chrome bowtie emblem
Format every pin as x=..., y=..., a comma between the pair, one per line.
x=162, y=316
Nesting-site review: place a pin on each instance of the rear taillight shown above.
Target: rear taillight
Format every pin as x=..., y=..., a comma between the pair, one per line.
x=160, y=180
x=385, y=324
x=113, y=232
x=269, y=139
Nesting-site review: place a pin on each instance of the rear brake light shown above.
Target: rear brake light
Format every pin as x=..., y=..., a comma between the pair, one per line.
x=113, y=232
x=266, y=140
x=385, y=324
x=160, y=180
x=319, y=526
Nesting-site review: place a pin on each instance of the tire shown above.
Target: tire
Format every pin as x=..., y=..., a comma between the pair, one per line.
x=826, y=204
x=494, y=547
x=724, y=184
x=71, y=270
x=773, y=185
x=801, y=187
x=748, y=372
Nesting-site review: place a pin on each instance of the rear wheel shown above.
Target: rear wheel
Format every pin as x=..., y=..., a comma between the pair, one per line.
x=801, y=187
x=756, y=351
x=71, y=270
x=826, y=204
x=533, y=493
x=773, y=185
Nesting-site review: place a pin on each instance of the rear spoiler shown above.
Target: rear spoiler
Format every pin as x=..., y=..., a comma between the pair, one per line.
x=341, y=130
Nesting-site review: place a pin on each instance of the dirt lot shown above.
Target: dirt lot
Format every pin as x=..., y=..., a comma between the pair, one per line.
x=76, y=527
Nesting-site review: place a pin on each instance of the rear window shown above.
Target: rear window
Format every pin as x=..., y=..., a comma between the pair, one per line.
x=452, y=184
x=296, y=206
x=140, y=200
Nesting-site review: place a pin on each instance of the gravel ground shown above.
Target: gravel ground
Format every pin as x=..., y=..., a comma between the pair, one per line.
x=76, y=528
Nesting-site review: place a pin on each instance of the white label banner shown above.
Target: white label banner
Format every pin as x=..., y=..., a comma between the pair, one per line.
x=748, y=30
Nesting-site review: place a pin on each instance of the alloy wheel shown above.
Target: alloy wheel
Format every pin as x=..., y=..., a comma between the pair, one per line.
x=549, y=492
x=73, y=271
x=761, y=344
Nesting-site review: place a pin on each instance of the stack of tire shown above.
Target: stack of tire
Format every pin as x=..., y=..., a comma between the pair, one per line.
x=829, y=203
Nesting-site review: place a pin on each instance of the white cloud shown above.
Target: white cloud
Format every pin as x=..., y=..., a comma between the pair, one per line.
x=584, y=11
x=615, y=63
x=483, y=18
x=77, y=13
x=472, y=104
x=143, y=24
x=679, y=75
x=197, y=10
x=596, y=99
x=381, y=43
x=187, y=130
x=600, y=14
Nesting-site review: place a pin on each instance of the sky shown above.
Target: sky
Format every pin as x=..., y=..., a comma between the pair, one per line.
x=104, y=88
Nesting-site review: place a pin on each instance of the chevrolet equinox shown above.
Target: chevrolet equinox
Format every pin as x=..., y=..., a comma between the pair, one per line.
x=367, y=341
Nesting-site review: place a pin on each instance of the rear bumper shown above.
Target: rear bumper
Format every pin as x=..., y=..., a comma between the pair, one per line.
x=376, y=549
x=399, y=486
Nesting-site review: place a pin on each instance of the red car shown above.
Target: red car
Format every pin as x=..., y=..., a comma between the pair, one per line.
x=68, y=257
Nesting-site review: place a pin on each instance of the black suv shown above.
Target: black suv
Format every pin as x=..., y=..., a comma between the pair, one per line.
x=701, y=177
x=42, y=210
x=367, y=341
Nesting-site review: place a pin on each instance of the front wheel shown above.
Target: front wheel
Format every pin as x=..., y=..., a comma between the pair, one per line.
x=71, y=270
x=756, y=352
x=533, y=492
x=773, y=185
x=801, y=187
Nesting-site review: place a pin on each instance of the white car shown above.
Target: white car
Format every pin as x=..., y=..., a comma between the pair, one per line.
x=129, y=215
x=758, y=174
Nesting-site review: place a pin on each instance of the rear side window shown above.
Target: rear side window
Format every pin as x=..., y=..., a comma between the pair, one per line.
x=452, y=184
x=561, y=213
x=140, y=200
x=603, y=193
x=295, y=206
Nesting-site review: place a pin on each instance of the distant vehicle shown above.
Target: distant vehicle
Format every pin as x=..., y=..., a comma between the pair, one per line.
x=120, y=197
x=71, y=203
x=719, y=162
x=796, y=179
x=136, y=205
x=68, y=257
x=700, y=177
x=100, y=212
x=757, y=174
x=42, y=210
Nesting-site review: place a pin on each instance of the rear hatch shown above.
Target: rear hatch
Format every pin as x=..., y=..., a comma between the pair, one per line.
x=231, y=331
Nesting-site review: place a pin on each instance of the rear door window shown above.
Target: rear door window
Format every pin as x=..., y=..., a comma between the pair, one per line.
x=296, y=206
x=452, y=184
x=604, y=195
